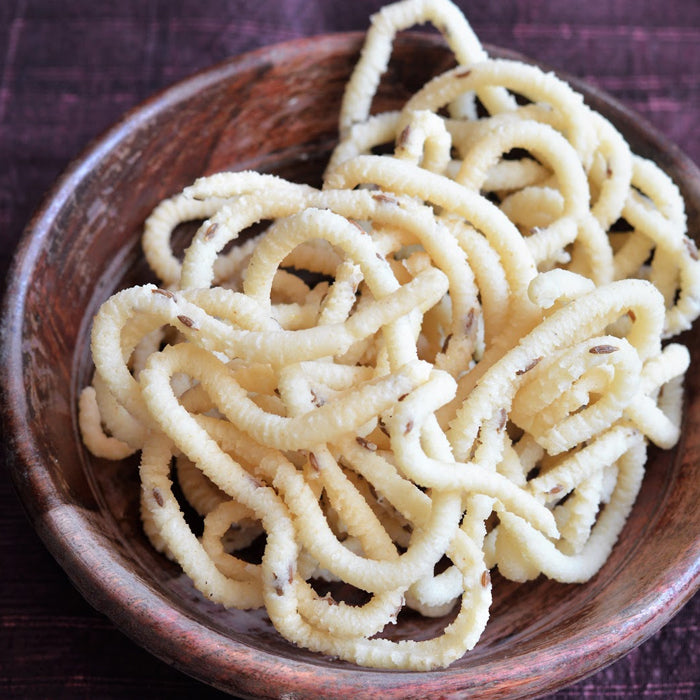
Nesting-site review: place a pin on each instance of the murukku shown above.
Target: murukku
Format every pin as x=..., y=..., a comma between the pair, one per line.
x=449, y=359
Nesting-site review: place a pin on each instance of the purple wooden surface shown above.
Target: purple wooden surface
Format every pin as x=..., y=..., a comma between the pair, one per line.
x=70, y=68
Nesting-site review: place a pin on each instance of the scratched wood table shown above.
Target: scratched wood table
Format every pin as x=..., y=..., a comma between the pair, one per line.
x=70, y=68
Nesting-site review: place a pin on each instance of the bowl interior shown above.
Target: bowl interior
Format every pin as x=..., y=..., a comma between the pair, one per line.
x=276, y=110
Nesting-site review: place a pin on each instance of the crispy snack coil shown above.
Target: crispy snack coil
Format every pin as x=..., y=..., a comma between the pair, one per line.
x=449, y=359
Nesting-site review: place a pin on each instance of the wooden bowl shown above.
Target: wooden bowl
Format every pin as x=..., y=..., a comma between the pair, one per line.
x=275, y=110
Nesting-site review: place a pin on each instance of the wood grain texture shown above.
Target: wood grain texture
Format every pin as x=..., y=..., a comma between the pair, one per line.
x=82, y=245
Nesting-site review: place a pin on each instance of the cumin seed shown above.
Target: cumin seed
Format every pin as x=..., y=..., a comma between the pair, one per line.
x=603, y=349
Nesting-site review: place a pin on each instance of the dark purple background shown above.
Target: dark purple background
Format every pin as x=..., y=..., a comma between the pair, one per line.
x=70, y=68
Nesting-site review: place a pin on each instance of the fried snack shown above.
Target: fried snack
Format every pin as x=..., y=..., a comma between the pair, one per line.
x=449, y=359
